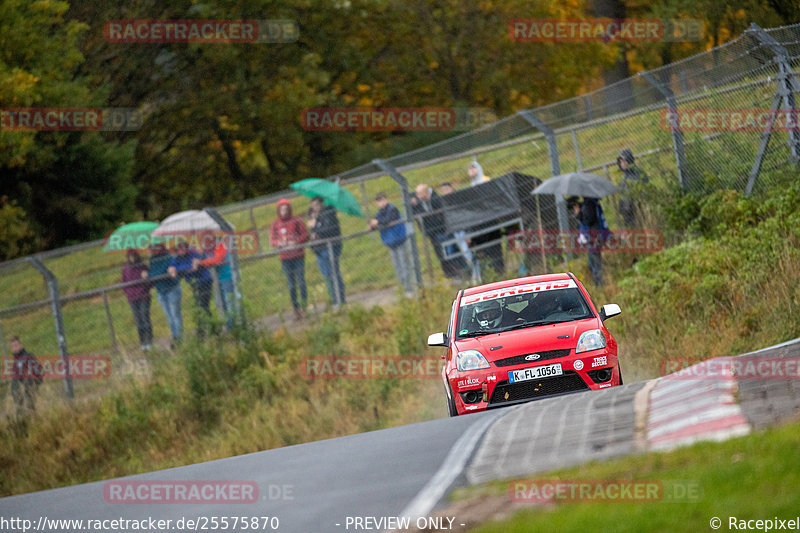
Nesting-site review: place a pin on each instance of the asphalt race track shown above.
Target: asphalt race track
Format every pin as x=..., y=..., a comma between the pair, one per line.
x=326, y=486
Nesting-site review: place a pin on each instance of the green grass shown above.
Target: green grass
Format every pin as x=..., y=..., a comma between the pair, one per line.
x=225, y=396
x=752, y=477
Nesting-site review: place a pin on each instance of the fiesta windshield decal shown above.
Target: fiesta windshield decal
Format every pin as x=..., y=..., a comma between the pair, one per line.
x=518, y=289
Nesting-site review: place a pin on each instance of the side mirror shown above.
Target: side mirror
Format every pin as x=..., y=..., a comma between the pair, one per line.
x=437, y=339
x=609, y=310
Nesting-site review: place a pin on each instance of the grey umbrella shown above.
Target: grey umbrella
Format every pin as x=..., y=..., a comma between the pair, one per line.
x=577, y=184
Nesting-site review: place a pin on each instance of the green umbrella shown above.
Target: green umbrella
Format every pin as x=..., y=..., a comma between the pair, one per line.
x=133, y=236
x=333, y=193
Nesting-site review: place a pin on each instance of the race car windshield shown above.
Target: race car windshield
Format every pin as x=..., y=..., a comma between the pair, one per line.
x=522, y=311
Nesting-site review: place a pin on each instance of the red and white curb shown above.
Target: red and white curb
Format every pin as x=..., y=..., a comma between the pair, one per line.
x=683, y=410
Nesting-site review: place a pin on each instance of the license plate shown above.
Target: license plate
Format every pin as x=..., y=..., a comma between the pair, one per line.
x=535, y=372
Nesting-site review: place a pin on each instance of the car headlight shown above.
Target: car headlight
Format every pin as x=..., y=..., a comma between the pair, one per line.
x=590, y=340
x=470, y=360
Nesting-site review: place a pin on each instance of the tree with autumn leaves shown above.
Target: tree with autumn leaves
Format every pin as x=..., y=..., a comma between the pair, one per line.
x=222, y=121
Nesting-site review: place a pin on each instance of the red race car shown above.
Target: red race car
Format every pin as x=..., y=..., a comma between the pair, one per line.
x=521, y=339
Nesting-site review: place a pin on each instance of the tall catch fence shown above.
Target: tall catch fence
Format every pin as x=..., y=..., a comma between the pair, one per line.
x=693, y=126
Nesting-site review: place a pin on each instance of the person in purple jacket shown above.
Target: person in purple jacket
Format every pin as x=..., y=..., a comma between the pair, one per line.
x=138, y=296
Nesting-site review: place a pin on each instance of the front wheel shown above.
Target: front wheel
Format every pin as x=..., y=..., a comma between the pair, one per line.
x=619, y=373
x=451, y=403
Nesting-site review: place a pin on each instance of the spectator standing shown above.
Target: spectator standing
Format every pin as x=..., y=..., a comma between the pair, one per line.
x=26, y=377
x=631, y=175
x=198, y=278
x=593, y=233
x=138, y=296
x=168, y=290
x=324, y=224
x=429, y=207
x=216, y=255
x=394, y=237
x=286, y=232
x=476, y=175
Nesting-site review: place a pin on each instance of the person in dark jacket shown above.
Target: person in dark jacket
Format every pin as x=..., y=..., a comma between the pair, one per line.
x=287, y=232
x=428, y=206
x=593, y=232
x=631, y=175
x=324, y=224
x=168, y=290
x=138, y=296
x=394, y=236
x=199, y=279
x=26, y=377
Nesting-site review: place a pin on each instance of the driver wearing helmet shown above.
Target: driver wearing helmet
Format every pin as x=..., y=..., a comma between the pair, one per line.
x=488, y=314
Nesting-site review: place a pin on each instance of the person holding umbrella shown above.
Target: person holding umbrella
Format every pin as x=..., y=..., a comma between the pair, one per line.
x=592, y=221
x=324, y=224
x=198, y=278
x=287, y=232
x=593, y=232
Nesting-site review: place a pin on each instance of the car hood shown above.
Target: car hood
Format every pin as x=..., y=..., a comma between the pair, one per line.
x=529, y=340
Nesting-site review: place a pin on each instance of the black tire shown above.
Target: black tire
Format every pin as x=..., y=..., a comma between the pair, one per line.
x=451, y=403
x=619, y=373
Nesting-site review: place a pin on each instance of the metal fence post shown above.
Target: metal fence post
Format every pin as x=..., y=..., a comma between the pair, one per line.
x=233, y=259
x=552, y=150
x=2, y=340
x=677, y=134
x=61, y=337
x=787, y=85
x=337, y=291
x=110, y=323
x=255, y=228
x=555, y=166
x=408, y=215
x=577, y=150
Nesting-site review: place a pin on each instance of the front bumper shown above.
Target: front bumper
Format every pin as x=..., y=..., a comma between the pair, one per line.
x=486, y=389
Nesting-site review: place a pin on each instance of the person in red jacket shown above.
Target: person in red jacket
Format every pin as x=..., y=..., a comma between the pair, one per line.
x=287, y=232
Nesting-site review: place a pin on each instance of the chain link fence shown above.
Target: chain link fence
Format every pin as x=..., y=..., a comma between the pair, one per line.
x=693, y=126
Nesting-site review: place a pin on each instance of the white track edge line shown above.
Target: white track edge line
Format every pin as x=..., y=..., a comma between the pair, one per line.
x=452, y=466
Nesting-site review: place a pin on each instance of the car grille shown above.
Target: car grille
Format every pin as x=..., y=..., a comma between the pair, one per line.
x=570, y=381
x=520, y=359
